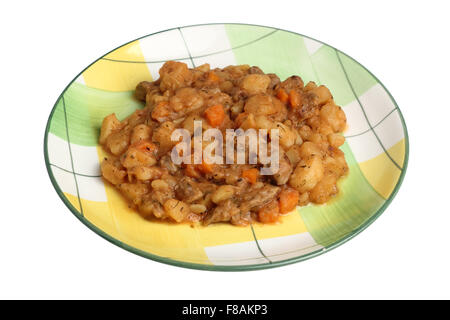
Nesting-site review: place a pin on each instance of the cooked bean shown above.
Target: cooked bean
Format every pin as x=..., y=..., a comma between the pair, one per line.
x=198, y=208
x=223, y=193
x=160, y=185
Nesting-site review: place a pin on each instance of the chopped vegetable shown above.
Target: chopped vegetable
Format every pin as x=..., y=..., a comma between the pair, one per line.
x=251, y=175
x=205, y=167
x=295, y=99
x=215, y=115
x=288, y=200
x=269, y=213
x=212, y=76
x=191, y=171
x=282, y=95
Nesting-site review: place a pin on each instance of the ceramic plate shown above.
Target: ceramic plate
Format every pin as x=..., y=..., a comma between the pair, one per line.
x=376, y=147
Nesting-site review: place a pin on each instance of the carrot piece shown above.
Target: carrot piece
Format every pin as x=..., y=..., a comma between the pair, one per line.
x=191, y=171
x=251, y=175
x=269, y=213
x=212, y=76
x=295, y=99
x=288, y=200
x=282, y=95
x=205, y=167
x=215, y=115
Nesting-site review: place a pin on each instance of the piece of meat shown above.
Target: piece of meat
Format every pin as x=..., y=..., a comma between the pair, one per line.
x=238, y=94
x=284, y=172
x=166, y=162
x=187, y=190
x=274, y=80
x=293, y=82
x=308, y=109
x=219, y=98
x=255, y=70
x=207, y=187
x=258, y=197
x=241, y=219
x=158, y=210
x=142, y=89
x=222, y=213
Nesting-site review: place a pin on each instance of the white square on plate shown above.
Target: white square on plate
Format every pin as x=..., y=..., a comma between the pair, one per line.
x=235, y=254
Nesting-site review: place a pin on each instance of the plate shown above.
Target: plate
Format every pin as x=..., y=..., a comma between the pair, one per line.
x=376, y=147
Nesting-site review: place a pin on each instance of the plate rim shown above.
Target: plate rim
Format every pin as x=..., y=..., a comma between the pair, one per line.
x=198, y=266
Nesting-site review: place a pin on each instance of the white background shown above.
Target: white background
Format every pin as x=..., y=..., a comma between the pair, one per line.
x=45, y=252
